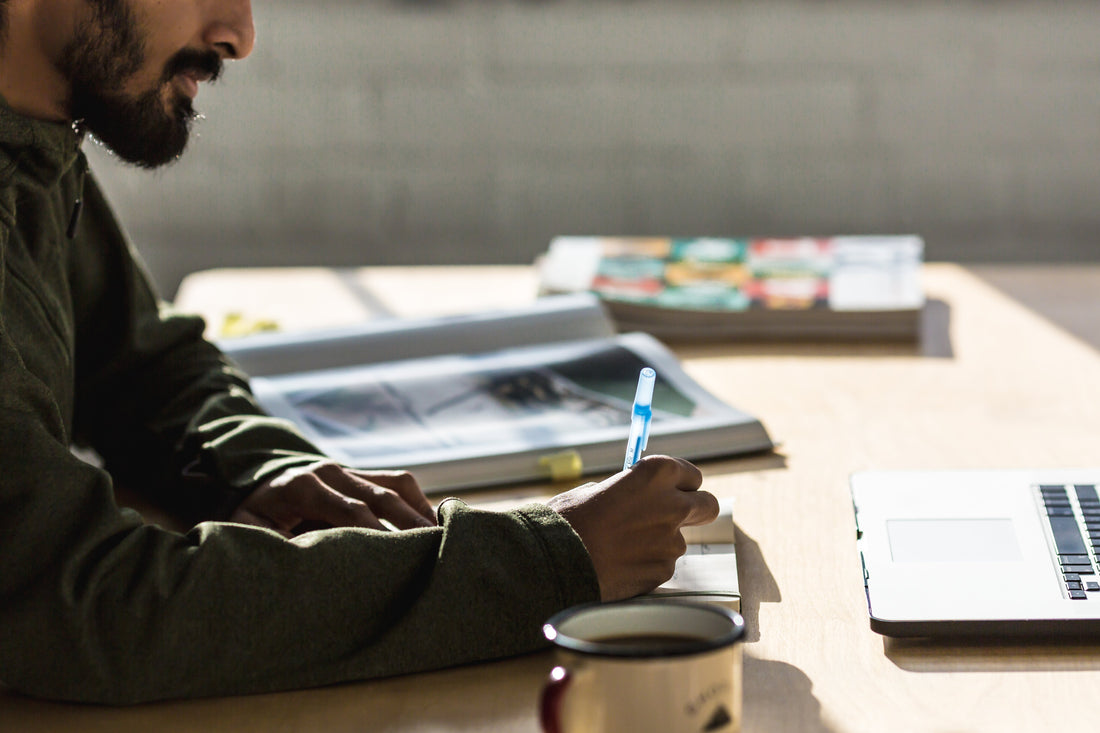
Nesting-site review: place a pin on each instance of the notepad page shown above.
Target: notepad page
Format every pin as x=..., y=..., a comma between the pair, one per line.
x=708, y=570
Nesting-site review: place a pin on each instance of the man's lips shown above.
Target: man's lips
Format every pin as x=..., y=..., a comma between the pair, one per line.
x=188, y=82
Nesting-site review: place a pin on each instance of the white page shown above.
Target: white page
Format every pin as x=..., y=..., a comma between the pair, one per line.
x=448, y=408
x=549, y=319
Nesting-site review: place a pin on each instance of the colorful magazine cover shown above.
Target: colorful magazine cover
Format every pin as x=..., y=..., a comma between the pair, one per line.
x=720, y=274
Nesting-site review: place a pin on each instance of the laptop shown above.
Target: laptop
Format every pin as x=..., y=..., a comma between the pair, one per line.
x=980, y=553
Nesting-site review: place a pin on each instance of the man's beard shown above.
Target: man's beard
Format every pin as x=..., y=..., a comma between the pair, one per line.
x=101, y=57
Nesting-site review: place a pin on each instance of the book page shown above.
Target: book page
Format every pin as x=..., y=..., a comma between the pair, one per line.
x=435, y=410
x=545, y=320
x=469, y=420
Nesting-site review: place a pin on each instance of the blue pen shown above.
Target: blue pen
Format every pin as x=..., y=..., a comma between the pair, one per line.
x=640, y=417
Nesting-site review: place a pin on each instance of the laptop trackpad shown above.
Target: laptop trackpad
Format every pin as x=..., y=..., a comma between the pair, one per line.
x=953, y=540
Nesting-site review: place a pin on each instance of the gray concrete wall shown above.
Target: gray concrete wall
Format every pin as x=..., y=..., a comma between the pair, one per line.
x=379, y=132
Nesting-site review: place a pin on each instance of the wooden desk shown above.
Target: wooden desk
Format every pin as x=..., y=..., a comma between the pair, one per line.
x=994, y=386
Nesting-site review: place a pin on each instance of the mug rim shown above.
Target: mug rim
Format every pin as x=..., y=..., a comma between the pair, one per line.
x=553, y=633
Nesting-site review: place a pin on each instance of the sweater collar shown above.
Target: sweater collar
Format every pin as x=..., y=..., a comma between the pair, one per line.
x=43, y=150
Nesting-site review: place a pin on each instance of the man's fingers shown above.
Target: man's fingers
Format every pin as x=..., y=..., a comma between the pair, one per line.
x=659, y=471
x=320, y=502
x=392, y=495
x=703, y=510
x=691, y=477
x=394, y=509
x=405, y=486
x=326, y=494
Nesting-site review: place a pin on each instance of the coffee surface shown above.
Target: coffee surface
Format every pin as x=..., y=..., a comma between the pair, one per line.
x=655, y=641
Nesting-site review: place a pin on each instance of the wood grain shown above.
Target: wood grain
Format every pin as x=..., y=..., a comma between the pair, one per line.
x=991, y=385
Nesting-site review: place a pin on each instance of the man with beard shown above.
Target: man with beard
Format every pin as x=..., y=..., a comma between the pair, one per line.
x=96, y=605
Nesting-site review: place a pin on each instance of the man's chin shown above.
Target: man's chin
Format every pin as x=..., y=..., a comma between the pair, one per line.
x=143, y=155
x=149, y=147
x=144, y=131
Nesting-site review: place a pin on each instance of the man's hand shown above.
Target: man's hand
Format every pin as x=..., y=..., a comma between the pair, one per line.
x=325, y=494
x=630, y=523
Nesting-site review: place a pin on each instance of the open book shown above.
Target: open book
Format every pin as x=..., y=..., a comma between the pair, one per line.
x=539, y=393
x=853, y=287
x=707, y=572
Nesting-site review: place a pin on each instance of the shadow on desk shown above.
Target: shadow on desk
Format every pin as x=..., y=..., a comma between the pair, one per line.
x=745, y=463
x=933, y=342
x=501, y=696
x=779, y=697
x=756, y=582
x=965, y=655
x=935, y=332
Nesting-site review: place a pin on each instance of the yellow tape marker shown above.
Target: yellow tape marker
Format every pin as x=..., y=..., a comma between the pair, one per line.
x=235, y=324
x=564, y=465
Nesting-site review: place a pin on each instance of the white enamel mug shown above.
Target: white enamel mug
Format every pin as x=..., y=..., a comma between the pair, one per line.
x=644, y=665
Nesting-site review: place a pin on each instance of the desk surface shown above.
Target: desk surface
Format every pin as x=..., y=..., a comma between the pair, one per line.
x=993, y=385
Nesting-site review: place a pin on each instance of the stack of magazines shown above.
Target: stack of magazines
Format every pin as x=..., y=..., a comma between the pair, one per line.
x=854, y=287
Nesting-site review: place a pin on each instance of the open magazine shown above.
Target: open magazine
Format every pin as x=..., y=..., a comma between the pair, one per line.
x=497, y=403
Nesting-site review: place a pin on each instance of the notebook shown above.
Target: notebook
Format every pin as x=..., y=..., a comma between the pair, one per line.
x=707, y=571
x=980, y=553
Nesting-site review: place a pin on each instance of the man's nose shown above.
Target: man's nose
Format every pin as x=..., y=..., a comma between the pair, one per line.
x=230, y=29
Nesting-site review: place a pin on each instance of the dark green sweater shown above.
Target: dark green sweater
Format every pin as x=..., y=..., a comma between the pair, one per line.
x=96, y=605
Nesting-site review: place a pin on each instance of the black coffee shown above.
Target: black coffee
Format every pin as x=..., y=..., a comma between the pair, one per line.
x=653, y=641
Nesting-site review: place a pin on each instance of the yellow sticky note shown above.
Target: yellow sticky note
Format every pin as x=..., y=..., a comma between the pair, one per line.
x=564, y=465
x=235, y=324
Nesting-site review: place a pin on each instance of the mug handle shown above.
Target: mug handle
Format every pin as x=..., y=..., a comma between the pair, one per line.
x=550, y=702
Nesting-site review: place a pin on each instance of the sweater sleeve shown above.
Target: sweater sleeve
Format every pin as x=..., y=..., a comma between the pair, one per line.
x=172, y=417
x=96, y=606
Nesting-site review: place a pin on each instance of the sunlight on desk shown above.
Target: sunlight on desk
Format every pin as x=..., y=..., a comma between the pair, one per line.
x=1012, y=391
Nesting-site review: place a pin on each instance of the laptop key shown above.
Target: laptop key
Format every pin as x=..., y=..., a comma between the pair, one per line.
x=1086, y=493
x=1074, y=586
x=1078, y=595
x=1067, y=536
x=1079, y=569
x=1092, y=585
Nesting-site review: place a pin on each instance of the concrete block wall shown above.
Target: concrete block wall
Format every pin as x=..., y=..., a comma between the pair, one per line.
x=395, y=132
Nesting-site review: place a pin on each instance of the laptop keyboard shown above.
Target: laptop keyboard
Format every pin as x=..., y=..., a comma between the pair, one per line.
x=1073, y=515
